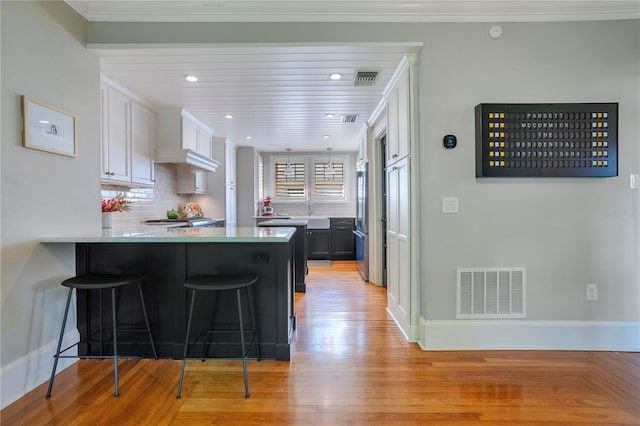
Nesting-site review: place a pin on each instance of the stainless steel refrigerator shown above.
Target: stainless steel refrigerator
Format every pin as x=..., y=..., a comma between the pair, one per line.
x=362, y=222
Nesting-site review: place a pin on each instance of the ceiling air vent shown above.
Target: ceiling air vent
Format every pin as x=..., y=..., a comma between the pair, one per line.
x=349, y=118
x=365, y=78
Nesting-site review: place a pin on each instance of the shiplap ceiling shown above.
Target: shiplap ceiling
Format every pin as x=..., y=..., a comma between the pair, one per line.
x=279, y=95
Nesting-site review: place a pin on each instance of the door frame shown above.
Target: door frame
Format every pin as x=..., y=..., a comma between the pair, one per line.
x=377, y=128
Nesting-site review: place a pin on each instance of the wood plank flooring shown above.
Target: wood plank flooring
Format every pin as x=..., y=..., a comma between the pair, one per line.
x=352, y=366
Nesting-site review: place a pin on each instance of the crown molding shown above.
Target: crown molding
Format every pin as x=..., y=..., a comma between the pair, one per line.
x=355, y=11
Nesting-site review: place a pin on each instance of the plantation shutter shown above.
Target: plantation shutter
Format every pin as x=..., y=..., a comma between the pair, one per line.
x=328, y=186
x=293, y=186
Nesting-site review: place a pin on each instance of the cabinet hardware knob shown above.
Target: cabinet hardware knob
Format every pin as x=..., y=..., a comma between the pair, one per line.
x=395, y=155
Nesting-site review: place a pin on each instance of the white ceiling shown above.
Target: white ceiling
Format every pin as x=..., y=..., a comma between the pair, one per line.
x=279, y=95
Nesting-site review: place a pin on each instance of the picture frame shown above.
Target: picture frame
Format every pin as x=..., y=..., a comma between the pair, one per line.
x=48, y=128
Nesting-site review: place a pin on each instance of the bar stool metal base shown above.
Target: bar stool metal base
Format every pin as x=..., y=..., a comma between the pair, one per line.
x=221, y=283
x=100, y=282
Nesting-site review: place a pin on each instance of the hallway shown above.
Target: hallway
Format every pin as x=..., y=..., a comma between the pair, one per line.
x=350, y=365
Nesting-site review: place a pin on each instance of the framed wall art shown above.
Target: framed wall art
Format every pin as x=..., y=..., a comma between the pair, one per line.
x=48, y=128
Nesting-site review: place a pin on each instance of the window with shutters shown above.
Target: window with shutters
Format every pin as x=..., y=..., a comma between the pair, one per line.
x=328, y=184
x=309, y=180
x=290, y=186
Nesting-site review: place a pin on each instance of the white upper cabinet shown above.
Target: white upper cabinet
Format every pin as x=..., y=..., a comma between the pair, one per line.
x=196, y=136
x=230, y=164
x=398, y=134
x=190, y=182
x=362, y=146
x=142, y=132
x=183, y=139
x=116, y=140
x=127, y=139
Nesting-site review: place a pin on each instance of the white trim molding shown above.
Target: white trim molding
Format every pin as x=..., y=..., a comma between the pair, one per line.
x=28, y=372
x=529, y=335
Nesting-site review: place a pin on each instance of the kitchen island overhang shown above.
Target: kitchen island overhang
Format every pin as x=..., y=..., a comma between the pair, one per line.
x=168, y=256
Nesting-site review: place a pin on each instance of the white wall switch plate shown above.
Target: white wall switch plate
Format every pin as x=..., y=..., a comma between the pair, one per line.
x=450, y=205
x=592, y=291
x=634, y=181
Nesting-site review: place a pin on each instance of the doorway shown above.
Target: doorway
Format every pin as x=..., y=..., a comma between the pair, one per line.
x=382, y=146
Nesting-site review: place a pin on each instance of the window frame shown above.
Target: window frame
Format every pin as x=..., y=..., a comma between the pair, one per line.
x=309, y=161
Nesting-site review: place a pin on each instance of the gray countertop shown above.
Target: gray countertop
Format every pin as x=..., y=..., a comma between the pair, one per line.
x=154, y=234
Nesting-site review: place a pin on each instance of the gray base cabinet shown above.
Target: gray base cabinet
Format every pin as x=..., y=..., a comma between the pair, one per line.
x=336, y=243
x=319, y=241
x=343, y=239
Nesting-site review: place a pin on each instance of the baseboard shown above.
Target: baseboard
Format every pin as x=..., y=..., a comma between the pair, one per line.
x=530, y=335
x=28, y=372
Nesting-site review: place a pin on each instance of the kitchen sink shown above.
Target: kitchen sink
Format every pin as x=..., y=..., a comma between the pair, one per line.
x=314, y=222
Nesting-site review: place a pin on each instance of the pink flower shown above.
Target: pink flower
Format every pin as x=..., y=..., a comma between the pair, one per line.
x=116, y=204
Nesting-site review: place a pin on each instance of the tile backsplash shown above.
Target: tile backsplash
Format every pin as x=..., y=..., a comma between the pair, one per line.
x=315, y=209
x=148, y=203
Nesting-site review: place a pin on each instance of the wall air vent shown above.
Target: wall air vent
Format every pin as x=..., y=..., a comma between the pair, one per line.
x=491, y=293
x=365, y=78
x=349, y=118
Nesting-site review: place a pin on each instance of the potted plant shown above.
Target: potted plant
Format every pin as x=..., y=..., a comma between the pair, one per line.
x=111, y=205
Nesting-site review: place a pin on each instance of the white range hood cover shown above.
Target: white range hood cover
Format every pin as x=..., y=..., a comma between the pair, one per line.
x=196, y=162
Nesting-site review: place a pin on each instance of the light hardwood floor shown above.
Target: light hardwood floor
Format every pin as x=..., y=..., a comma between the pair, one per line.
x=350, y=365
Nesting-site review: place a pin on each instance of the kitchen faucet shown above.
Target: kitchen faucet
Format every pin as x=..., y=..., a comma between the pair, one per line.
x=309, y=208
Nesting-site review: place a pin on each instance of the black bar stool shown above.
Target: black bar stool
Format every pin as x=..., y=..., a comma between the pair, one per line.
x=216, y=283
x=101, y=282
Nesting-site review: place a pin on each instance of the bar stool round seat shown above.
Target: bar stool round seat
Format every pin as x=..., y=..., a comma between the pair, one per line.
x=217, y=283
x=101, y=282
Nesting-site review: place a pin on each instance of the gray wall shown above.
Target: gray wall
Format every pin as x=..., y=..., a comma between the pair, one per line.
x=566, y=232
x=43, y=56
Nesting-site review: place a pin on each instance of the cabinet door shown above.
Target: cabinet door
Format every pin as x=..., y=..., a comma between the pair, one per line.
x=402, y=148
x=116, y=142
x=189, y=134
x=398, y=126
x=204, y=143
x=189, y=182
x=398, y=243
x=230, y=206
x=141, y=144
x=230, y=163
x=344, y=247
x=392, y=128
x=319, y=244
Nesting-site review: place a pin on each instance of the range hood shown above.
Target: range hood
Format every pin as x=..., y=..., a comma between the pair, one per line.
x=194, y=161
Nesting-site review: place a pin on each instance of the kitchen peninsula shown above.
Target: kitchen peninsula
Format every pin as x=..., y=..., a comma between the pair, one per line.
x=167, y=256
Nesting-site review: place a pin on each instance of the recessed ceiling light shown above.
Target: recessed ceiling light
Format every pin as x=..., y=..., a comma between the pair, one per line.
x=329, y=115
x=335, y=76
x=325, y=136
x=191, y=78
x=228, y=116
x=248, y=137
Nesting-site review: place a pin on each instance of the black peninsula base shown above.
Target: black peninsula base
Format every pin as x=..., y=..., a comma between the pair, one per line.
x=166, y=266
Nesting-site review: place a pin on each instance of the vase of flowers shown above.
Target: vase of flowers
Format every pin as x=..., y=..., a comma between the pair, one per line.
x=112, y=205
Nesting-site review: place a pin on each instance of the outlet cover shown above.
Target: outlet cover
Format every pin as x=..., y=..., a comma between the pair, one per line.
x=592, y=292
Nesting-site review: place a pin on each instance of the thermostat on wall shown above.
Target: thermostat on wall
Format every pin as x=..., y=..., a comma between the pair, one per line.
x=449, y=141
